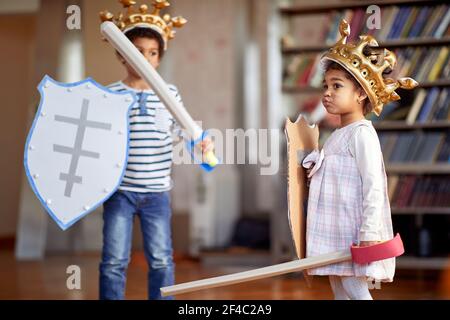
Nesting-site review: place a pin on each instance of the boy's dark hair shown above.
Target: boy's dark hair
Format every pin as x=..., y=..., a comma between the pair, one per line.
x=147, y=33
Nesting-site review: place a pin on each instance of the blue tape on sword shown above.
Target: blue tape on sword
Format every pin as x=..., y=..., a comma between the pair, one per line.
x=191, y=148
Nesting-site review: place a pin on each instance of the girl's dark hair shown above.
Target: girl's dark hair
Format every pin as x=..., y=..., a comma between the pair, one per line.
x=147, y=33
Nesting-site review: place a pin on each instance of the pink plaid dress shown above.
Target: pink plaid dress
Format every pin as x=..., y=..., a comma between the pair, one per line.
x=335, y=207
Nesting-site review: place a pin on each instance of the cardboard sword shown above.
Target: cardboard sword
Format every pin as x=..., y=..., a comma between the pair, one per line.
x=385, y=250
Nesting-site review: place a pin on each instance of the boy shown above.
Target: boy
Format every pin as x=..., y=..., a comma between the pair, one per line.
x=145, y=188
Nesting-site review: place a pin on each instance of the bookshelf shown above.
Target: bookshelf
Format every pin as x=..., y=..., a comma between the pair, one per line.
x=305, y=89
x=422, y=177
x=422, y=263
x=421, y=210
x=303, y=10
x=421, y=42
x=401, y=125
x=418, y=168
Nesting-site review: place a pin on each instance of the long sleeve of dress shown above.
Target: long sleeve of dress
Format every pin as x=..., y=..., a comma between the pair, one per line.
x=365, y=147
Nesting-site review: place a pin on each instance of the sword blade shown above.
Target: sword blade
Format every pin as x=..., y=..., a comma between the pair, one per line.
x=266, y=272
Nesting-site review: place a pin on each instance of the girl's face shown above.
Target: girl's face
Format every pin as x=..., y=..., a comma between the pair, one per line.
x=340, y=95
x=149, y=49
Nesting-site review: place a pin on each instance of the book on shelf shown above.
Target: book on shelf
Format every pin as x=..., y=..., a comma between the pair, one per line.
x=428, y=148
x=411, y=191
x=415, y=108
x=397, y=22
x=430, y=101
x=426, y=106
x=414, y=147
x=444, y=154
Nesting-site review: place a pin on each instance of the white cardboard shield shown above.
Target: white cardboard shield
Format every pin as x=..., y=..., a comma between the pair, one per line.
x=77, y=148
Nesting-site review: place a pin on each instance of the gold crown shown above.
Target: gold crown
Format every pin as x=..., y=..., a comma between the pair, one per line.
x=367, y=63
x=143, y=18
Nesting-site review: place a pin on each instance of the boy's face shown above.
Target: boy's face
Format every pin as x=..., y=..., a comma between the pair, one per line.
x=340, y=95
x=149, y=49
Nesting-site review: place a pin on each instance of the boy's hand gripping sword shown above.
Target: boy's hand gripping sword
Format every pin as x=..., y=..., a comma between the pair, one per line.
x=132, y=55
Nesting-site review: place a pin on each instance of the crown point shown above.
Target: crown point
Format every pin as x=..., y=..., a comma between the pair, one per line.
x=368, y=39
x=106, y=16
x=143, y=8
x=161, y=4
x=179, y=21
x=394, y=96
x=127, y=3
x=344, y=28
x=378, y=110
x=408, y=83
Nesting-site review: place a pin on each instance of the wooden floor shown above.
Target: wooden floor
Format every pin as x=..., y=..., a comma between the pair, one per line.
x=46, y=279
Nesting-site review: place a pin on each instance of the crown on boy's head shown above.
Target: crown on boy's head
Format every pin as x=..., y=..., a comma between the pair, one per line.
x=366, y=62
x=144, y=19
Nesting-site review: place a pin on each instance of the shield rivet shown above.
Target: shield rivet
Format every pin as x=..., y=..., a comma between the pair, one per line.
x=43, y=114
x=128, y=99
x=105, y=95
x=88, y=86
x=69, y=89
x=120, y=132
x=49, y=201
x=32, y=148
x=85, y=208
x=35, y=175
x=46, y=85
x=118, y=165
x=106, y=190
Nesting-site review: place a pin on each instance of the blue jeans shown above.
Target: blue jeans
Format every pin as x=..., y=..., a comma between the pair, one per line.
x=153, y=209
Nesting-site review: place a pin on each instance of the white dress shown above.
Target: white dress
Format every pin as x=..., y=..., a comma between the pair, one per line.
x=348, y=200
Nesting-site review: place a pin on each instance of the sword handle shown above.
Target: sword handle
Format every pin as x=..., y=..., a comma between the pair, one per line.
x=211, y=159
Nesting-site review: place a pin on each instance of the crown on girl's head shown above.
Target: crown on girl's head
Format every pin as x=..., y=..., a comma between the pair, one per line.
x=366, y=62
x=144, y=19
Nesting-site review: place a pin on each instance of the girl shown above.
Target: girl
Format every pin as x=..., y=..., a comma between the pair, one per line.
x=348, y=200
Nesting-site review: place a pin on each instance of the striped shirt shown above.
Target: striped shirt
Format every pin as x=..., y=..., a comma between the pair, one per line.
x=151, y=143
